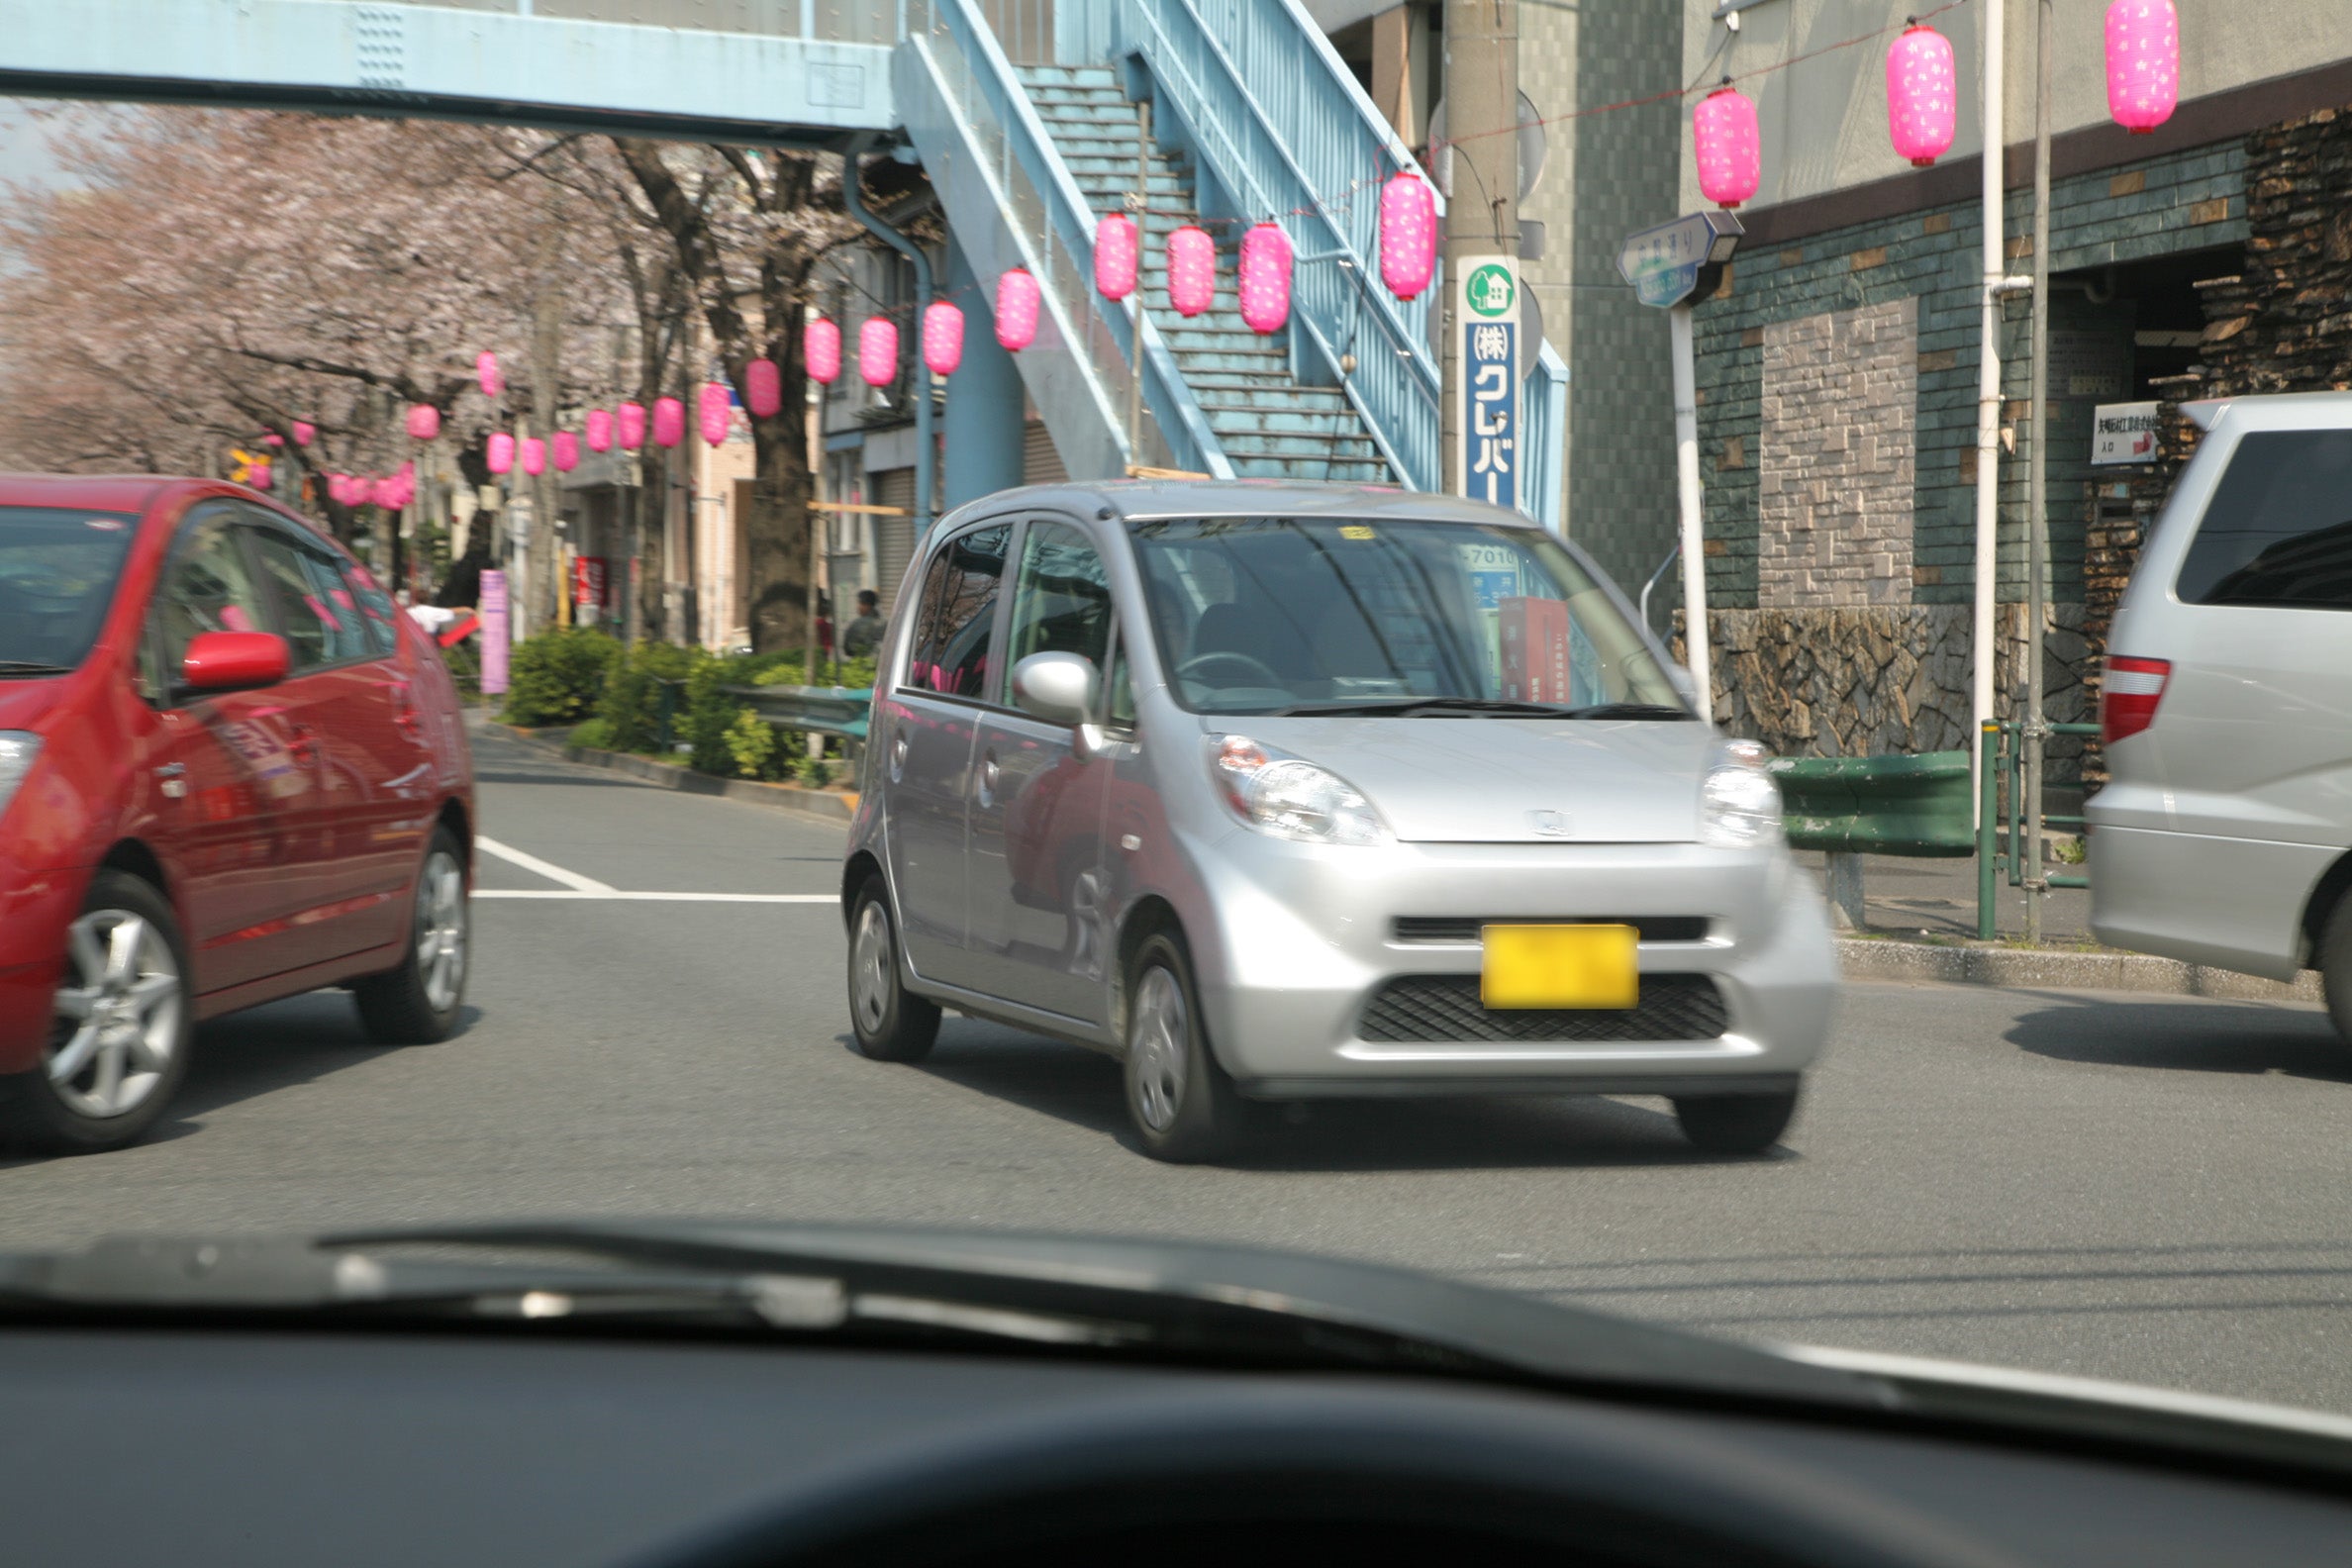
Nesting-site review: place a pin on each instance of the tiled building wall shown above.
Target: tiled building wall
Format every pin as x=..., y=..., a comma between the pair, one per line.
x=1929, y=260
x=1834, y=453
x=1620, y=399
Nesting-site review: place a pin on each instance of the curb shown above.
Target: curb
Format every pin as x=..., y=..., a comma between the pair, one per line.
x=2087, y=971
x=820, y=805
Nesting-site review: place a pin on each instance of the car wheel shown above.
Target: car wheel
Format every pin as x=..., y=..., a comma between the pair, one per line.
x=891, y=1024
x=2334, y=962
x=417, y=1003
x=119, y=1041
x=1735, y=1124
x=1184, y=1107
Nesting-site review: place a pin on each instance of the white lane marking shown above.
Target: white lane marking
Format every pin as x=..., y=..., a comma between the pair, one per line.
x=614, y=894
x=531, y=862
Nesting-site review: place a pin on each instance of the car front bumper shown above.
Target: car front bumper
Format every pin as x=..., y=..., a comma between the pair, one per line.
x=1303, y=939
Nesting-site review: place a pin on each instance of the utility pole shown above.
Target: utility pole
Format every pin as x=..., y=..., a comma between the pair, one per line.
x=1481, y=229
x=2037, y=502
x=1988, y=473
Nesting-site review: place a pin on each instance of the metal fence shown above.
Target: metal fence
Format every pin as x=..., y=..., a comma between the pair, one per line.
x=2001, y=839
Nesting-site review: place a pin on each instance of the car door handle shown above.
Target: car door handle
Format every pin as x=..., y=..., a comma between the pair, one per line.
x=898, y=758
x=990, y=774
x=173, y=770
x=174, y=780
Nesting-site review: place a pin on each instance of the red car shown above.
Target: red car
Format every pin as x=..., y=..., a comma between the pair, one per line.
x=230, y=770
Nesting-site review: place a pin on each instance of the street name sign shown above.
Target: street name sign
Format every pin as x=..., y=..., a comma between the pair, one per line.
x=1663, y=262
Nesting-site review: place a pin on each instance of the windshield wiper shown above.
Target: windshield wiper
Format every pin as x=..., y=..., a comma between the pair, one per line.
x=1628, y=709
x=9, y=667
x=1428, y=708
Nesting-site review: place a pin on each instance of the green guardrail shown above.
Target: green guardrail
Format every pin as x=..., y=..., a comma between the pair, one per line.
x=2001, y=841
x=827, y=710
x=1916, y=805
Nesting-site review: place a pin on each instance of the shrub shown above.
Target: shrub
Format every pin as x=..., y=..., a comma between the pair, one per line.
x=755, y=748
x=596, y=734
x=557, y=677
x=631, y=703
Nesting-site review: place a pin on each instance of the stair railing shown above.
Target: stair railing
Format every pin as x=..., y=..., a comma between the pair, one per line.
x=1281, y=125
x=1012, y=202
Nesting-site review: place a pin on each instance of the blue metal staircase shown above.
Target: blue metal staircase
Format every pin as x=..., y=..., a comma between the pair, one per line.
x=1268, y=424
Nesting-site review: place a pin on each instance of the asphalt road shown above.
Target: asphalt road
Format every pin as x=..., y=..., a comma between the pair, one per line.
x=2128, y=1187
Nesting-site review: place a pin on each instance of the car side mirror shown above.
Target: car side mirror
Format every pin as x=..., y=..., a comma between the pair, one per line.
x=1059, y=688
x=227, y=661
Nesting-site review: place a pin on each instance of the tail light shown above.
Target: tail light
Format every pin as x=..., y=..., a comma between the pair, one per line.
x=2127, y=699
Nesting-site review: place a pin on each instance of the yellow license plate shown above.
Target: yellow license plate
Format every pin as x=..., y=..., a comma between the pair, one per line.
x=1561, y=966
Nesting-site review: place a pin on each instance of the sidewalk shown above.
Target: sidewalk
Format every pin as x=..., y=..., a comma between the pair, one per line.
x=1937, y=900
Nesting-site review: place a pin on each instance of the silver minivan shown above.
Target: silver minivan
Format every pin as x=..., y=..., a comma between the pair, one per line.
x=2227, y=706
x=1287, y=791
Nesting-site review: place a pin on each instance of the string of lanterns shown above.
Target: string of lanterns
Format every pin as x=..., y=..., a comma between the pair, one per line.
x=2143, y=76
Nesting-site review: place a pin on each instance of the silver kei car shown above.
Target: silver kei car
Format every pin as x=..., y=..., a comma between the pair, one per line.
x=1282, y=792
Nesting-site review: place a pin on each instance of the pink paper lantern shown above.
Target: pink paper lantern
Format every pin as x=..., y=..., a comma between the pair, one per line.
x=878, y=351
x=1192, y=271
x=424, y=421
x=764, y=388
x=670, y=422
x=599, y=429
x=632, y=426
x=711, y=413
x=1265, y=277
x=1728, y=145
x=567, y=452
x=1923, y=95
x=502, y=452
x=1407, y=234
x=486, y=372
x=257, y=473
x=1017, y=300
x=821, y=350
x=272, y=438
x=2143, y=63
x=304, y=433
x=534, y=457
x=942, y=337
x=1119, y=255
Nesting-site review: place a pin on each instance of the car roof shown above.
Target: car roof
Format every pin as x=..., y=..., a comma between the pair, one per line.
x=1152, y=500
x=87, y=492
x=2275, y=411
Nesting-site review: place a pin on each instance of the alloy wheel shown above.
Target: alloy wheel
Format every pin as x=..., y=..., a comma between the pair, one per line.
x=442, y=930
x=118, y=1015
x=1157, y=1048
x=870, y=968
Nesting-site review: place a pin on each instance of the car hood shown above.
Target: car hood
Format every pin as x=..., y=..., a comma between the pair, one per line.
x=1495, y=780
x=24, y=703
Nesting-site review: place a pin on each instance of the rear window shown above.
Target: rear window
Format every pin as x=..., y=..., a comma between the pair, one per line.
x=2279, y=531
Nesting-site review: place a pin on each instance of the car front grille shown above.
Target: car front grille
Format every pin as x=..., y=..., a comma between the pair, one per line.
x=1673, y=1006
x=1461, y=929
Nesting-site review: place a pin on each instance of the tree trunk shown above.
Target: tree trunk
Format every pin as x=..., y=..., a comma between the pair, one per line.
x=776, y=536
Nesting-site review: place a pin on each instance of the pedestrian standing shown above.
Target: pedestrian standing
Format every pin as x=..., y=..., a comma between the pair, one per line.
x=863, y=634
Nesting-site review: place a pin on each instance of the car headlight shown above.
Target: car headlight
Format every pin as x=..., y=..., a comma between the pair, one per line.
x=1282, y=795
x=1739, y=807
x=18, y=748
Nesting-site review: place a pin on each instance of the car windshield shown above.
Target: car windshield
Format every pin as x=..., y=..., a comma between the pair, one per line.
x=1268, y=615
x=58, y=572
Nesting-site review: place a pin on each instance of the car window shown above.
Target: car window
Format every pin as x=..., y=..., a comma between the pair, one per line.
x=377, y=612
x=208, y=588
x=955, y=620
x=315, y=608
x=1259, y=613
x=1061, y=597
x=2279, y=529
x=57, y=575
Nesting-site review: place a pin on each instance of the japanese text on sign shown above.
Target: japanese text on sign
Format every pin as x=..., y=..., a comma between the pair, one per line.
x=1492, y=468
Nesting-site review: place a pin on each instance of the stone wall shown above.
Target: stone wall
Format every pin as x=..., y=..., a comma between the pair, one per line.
x=1872, y=680
x=1837, y=429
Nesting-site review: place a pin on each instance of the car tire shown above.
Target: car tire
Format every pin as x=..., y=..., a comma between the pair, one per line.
x=417, y=1003
x=1185, y=1109
x=2333, y=960
x=1735, y=1124
x=122, y=1023
x=890, y=1022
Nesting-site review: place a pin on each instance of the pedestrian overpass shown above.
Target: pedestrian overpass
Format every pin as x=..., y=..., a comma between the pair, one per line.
x=1024, y=114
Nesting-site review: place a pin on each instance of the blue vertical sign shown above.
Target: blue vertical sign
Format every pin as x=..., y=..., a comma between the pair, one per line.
x=1491, y=472
x=1487, y=322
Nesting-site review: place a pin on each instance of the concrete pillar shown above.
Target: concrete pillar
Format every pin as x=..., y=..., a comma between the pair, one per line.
x=984, y=400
